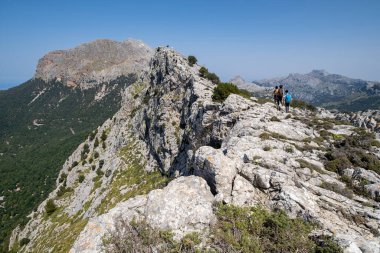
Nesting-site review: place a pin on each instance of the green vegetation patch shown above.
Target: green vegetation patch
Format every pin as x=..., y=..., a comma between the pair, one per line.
x=192, y=60
x=132, y=177
x=296, y=103
x=223, y=90
x=238, y=229
x=305, y=164
x=338, y=189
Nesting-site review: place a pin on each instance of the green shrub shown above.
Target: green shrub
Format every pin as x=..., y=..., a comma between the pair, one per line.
x=92, y=135
x=305, y=164
x=96, y=155
x=101, y=163
x=192, y=60
x=289, y=149
x=203, y=71
x=264, y=136
x=50, y=207
x=99, y=172
x=375, y=143
x=96, y=143
x=75, y=163
x=338, y=165
x=103, y=137
x=62, y=177
x=267, y=148
x=86, y=148
x=338, y=189
x=213, y=78
x=303, y=105
x=104, y=145
x=257, y=230
x=325, y=244
x=223, y=90
x=24, y=241
x=81, y=178
x=274, y=118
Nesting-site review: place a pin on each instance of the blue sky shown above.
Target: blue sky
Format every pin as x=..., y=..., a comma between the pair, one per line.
x=254, y=39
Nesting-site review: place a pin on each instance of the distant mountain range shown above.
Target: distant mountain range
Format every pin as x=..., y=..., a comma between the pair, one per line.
x=323, y=89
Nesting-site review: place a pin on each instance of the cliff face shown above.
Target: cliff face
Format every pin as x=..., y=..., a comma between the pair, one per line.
x=238, y=152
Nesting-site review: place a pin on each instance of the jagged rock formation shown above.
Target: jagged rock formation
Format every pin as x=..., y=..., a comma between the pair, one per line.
x=369, y=119
x=321, y=88
x=248, y=153
x=95, y=62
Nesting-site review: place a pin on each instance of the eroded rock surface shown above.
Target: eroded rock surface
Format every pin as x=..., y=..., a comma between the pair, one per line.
x=184, y=206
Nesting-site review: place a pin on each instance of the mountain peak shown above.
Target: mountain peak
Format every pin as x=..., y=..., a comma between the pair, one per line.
x=97, y=61
x=319, y=72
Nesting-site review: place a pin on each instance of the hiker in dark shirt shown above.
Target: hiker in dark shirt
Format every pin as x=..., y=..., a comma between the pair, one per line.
x=277, y=95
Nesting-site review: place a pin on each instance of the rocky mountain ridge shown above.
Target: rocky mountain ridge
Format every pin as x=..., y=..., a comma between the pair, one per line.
x=238, y=152
x=332, y=91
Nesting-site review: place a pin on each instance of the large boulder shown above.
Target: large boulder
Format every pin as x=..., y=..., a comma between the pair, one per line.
x=218, y=170
x=183, y=206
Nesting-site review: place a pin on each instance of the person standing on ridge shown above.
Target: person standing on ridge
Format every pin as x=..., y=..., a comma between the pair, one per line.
x=281, y=95
x=288, y=99
x=276, y=93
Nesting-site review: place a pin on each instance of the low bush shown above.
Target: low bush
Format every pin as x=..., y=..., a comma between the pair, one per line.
x=267, y=148
x=338, y=189
x=50, y=207
x=81, y=178
x=305, y=164
x=192, y=60
x=257, y=230
x=264, y=136
x=96, y=143
x=24, y=241
x=274, y=118
x=223, y=90
x=203, y=72
x=289, y=149
x=375, y=143
x=303, y=105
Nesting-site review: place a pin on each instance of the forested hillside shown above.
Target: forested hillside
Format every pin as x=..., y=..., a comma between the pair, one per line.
x=40, y=126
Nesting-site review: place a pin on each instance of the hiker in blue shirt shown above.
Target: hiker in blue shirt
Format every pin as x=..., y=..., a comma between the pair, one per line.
x=288, y=99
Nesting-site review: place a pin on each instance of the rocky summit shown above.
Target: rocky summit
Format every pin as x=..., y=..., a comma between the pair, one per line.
x=171, y=153
x=94, y=62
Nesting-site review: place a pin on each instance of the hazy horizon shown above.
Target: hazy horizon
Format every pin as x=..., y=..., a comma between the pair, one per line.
x=256, y=39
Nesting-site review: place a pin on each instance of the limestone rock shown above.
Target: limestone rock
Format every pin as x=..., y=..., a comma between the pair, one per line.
x=183, y=206
x=94, y=62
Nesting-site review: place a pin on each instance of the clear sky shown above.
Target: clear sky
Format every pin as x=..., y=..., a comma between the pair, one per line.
x=255, y=39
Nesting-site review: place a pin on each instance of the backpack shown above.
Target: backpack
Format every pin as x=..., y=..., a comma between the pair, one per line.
x=277, y=92
x=288, y=98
